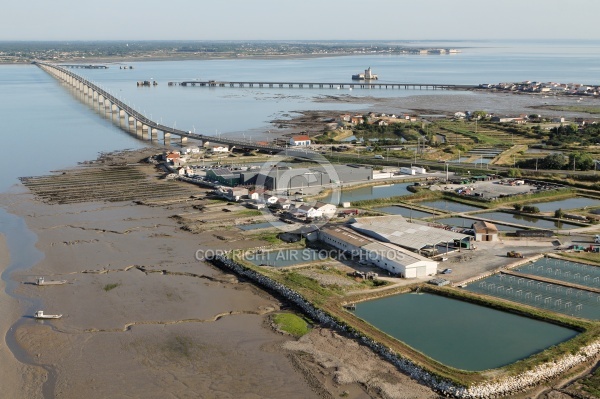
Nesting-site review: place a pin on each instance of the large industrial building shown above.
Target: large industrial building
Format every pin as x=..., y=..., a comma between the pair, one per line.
x=387, y=256
x=420, y=238
x=287, y=178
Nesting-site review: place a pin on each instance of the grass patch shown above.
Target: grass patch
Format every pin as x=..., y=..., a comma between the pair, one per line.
x=589, y=256
x=291, y=324
x=249, y=212
x=591, y=384
x=574, y=108
x=109, y=287
x=268, y=237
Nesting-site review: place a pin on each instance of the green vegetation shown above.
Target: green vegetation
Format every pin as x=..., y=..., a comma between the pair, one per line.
x=393, y=132
x=559, y=214
x=576, y=160
x=530, y=209
x=249, y=212
x=291, y=324
x=112, y=286
x=270, y=237
x=591, y=384
x=571, y=134
x=574, y=108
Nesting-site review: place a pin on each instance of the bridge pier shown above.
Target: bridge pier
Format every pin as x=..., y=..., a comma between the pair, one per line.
x=153, y=135
x=131, y=123
x=183, y=139
x=167, y=138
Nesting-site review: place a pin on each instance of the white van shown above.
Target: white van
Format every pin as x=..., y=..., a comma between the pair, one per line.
x=378, y=157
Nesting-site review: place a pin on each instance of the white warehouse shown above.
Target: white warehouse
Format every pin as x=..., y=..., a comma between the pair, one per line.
x=387, y=256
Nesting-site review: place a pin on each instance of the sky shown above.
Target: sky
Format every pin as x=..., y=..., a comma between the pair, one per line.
x=298, y=20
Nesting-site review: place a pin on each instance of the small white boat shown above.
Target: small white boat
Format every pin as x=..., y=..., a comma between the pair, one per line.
x=41, y=281
x=40, y=315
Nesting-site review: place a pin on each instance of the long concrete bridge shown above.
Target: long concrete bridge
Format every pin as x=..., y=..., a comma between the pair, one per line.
x=144, y=127
x=312, y=85
x=89, y=66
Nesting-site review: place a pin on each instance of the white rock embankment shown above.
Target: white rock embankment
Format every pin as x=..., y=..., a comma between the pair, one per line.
x=492, y=389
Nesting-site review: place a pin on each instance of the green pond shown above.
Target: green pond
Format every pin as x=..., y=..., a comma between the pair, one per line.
x=526, y=220
x=449, y=206
x=570, y=203
x=460, y=334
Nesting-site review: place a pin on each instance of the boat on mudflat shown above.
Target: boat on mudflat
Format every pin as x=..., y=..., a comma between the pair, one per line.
x=40, y=315
x=42, y=281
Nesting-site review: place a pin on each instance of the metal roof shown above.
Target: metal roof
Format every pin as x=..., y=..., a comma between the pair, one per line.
x=385, y=250
x=397, y=230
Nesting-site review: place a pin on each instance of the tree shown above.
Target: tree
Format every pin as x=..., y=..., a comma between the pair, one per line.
x=514, y=173
x=559, y=213
x=581, y=161
x=552, y=161
x=518, y=207
x=531, y=209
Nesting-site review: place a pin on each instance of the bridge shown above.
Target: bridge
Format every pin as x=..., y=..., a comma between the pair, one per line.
x=313, y=85
x=90, y=66
x=141, y=125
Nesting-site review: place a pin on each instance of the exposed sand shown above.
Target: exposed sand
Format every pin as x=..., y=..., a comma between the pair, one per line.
x=17, y=380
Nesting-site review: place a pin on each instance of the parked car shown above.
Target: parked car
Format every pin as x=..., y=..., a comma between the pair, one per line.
x=446, y=271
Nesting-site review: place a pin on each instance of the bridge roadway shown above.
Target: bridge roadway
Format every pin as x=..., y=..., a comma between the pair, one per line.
x=150, y=124
x=90, y=66
x=311, y=85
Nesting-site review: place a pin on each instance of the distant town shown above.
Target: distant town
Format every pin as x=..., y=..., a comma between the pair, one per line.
x=548, y=88
x=26, y=52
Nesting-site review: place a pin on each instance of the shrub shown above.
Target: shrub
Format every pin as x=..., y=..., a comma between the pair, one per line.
x=531, y=209
x=559, y=214
x=518, y=207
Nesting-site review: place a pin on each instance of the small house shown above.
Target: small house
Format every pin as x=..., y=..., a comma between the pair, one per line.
x=236, y=193
x=301, y=140
x=283, y=203
x=327, y=210
x=485, y=231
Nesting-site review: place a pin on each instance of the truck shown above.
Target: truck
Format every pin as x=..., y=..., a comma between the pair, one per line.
x=513, y=254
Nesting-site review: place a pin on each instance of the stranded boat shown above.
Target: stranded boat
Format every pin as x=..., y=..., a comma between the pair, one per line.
x=40, y=315
x=41, y=281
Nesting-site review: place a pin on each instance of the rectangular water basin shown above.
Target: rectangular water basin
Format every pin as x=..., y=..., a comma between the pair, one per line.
x=258, y=226
x=461, y=334
x=539, y=294
x=566, y=204
x=449, y=206
x=524, y=220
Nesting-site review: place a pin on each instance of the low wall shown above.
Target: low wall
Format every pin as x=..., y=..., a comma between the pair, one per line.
x=505, y=386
